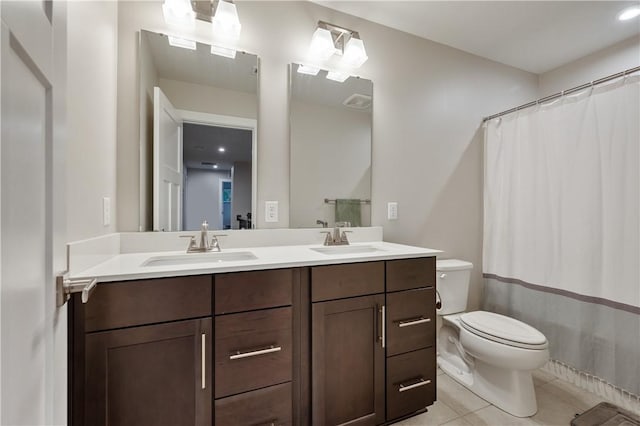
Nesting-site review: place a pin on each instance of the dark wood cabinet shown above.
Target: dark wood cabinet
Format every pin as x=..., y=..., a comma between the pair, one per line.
x=347, y=366
x=324, y=345
x=150, y=375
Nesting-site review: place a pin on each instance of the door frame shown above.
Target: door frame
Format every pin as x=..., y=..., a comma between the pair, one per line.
x=233, y=122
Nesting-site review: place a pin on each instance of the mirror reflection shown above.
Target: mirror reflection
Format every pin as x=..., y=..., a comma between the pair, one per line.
x=330, y=150
x=198, y=129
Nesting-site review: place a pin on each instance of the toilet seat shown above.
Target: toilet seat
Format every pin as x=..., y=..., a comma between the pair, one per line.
x=503, y=329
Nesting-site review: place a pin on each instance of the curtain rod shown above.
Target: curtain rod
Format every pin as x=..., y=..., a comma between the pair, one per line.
x=564, y=92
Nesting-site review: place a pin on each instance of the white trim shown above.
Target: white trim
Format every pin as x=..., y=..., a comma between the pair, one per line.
x=236, y=123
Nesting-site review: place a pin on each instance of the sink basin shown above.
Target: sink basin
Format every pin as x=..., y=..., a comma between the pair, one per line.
x=191, y=258
x=346, y=249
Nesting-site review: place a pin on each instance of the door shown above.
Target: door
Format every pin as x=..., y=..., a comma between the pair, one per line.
x=226, y=198
x=347, y=362
x=32, y=216
x=156, y=375
x=167, y=164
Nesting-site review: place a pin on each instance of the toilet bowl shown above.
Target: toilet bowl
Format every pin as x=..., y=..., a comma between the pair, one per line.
x=490, y=354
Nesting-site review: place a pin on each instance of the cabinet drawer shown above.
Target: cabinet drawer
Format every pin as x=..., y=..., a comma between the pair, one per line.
x=411, y=382
x=347, y=280
x=410, y=318
x=129, y=303
x=269, y=406
x=246, y=291
x=252, y=350
x=411, y=273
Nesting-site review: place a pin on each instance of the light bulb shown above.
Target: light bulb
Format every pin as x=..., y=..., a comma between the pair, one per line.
x=354, y=53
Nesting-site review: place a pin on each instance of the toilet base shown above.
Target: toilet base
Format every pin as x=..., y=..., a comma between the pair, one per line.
x=510, y=390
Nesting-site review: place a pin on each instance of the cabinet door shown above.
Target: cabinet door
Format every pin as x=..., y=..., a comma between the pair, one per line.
x=150, y=375
x=347, y=376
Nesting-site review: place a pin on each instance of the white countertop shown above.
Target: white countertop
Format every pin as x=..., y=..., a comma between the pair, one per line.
x=129, y=266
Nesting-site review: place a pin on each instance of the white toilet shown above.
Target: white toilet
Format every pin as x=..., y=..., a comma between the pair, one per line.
x=491, y=354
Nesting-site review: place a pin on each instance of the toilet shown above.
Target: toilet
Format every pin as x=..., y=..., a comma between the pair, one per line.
x=492, y=355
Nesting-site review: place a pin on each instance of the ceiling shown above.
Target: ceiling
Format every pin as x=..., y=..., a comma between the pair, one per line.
x=320, y=90
x=536, y=36
x=201, y=143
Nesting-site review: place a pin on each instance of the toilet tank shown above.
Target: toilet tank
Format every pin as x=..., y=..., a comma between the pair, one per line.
x=453, y=277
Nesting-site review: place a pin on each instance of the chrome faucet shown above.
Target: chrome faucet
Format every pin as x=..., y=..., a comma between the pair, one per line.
x=205, y=244
x=338, y=238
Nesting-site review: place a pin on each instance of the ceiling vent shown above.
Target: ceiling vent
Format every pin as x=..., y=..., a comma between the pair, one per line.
x=358, y=101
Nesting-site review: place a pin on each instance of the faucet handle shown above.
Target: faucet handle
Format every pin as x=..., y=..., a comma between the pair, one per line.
x=328, y=240
x=215, y=244
x=192, y=241
x=344, y=238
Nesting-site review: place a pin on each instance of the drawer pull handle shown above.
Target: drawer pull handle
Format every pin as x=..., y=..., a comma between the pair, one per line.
x=421, y=382
x=270, y=349
x=408, y=323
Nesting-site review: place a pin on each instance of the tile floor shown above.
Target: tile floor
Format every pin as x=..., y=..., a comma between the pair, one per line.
x=558, y=403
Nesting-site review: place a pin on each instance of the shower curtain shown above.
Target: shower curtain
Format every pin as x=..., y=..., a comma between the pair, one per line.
x=561, y=226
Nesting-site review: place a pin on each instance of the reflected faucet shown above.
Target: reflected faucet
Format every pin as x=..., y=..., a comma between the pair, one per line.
x=205, y=245
x=322, y=222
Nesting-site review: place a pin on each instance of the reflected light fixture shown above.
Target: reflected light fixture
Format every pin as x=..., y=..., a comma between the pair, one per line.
x=221, y=149
x=629, y=13
x=182, y=42
x=330, y=41
x=308, y=69
x=337, y=76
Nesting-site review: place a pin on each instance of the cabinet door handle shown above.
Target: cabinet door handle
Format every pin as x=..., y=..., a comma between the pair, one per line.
x=420, y=382
x=416, y=321
x=384, y=326
x=203, y=360
x=240, y=355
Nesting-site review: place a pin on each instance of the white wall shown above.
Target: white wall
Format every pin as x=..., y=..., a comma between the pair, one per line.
x=614, y=59
x=212, y=100
x=91, y=117
x=330, y=158
x=202, y=198
x=428, y=103
x=241, y=190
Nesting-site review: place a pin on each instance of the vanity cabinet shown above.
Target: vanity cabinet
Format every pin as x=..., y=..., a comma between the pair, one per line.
x=254, y=347
x=347, y=354
x=141, y=354
x=410, y=336
x=323, y=345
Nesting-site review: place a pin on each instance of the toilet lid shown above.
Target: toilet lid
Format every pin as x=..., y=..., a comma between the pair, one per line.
x=503, y=329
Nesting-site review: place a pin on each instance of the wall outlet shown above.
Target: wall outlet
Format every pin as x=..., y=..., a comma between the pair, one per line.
x=271, y=211
x=392, y=211
x=106, y=211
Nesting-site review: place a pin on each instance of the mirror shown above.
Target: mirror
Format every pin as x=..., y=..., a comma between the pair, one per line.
x=198, y=129
x=330, y=150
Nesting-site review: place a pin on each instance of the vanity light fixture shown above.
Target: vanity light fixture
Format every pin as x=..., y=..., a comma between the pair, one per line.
x=182, y=42
x=629, y=13
x=223, y=15
x=178, y=12
x=221, y=149
x=330, y=40
x=215, y=166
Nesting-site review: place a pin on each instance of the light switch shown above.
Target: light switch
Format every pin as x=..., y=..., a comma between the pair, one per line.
x=106, y=211
x=392, y=211
x=271, y=211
